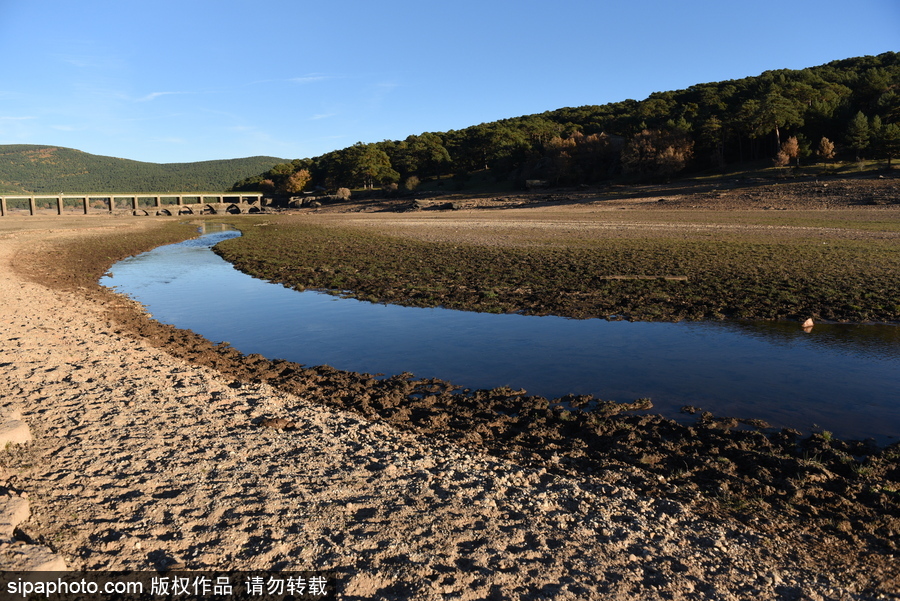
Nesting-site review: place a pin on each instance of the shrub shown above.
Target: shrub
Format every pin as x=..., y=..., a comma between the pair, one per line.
x=343, y=193
x=411, y=183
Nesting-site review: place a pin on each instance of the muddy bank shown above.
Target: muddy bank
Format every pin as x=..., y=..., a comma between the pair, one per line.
x=770, y=480
x=811, y=496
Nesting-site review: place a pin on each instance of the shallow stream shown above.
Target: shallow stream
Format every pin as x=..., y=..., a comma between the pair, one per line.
x=841, y=378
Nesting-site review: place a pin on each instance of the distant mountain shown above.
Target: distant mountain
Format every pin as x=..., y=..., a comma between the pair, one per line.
x=30, y=168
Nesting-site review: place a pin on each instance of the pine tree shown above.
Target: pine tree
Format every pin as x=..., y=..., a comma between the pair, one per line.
x=858, y=134
x=890, y=141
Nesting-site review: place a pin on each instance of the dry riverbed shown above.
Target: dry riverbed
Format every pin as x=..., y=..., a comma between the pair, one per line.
x=155, y=449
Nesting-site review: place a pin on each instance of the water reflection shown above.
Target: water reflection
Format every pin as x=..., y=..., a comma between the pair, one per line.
x=877, y=341
x=841, y=378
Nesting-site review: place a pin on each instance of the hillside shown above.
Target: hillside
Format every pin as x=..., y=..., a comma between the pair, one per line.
x=846, y=110
x=29, y=168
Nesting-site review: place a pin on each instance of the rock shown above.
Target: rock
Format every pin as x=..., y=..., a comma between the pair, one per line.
x=808, y=325
x=13, y=511
x=19, y=557
x=14, y=432
x=279, y=423
x=10, y=414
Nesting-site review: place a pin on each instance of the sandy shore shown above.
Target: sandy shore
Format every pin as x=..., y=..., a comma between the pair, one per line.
x=143, y=461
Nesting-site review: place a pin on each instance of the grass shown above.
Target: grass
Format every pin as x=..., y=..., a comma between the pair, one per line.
x=736, y=274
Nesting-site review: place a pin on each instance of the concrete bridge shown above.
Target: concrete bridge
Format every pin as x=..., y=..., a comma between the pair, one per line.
x=186, y=203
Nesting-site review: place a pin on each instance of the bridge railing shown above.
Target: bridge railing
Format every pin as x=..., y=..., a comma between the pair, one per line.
x=112, y=203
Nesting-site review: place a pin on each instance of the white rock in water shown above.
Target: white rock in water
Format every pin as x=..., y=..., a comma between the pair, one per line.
x=808, y=324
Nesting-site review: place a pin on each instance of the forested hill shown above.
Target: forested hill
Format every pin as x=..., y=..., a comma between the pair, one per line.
x=847, y=109
x=28, y=168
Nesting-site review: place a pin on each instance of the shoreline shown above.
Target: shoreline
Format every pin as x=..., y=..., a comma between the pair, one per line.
x=515, y=482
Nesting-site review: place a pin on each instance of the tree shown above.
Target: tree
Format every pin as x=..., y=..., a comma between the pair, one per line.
x=771, y=114
x=889, y=105
x=657, y=153
x=424, y=155
x=875, y=127
x=296, y=182
x=597, y=156
x=789, y=150
x=825, y=151
x=368, y=165
x=871, y=85
x=559, y=158
x=657, y=108
x=281, y=169
x=858, y=134
x=890, y=141
x=712, y=136
x=492, y=145
x=332, y=169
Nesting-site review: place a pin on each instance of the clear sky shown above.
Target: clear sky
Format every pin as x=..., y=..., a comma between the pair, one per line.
x=191, y=80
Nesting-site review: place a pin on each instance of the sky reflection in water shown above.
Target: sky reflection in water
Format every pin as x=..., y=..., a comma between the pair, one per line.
x=845, y=379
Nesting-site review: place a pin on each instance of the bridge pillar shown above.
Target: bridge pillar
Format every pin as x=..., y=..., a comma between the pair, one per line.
x=218, y=202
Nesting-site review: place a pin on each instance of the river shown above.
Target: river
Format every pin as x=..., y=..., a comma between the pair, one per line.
x=837, y=377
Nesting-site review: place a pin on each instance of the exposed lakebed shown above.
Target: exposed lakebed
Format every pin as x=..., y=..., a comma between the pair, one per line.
x=841, y=378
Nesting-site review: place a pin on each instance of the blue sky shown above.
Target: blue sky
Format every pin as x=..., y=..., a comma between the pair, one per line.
x=192, y=80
